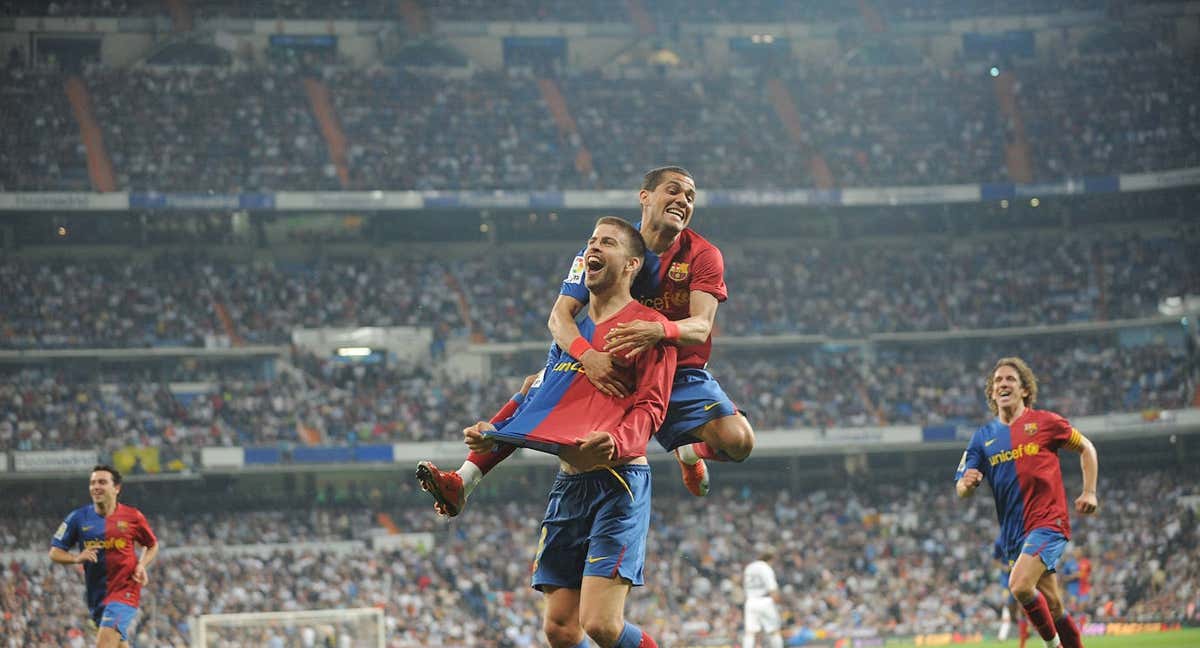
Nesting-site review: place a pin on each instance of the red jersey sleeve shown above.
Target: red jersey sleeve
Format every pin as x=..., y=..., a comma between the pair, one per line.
x=1061, y=432
x=708, y=273
x=143, y=535
x=655, y=369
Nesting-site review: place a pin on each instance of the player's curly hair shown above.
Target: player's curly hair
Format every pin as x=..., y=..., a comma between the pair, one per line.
x=1028, y=381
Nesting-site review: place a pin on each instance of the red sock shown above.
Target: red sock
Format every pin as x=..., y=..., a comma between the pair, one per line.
x=488, y=460
x=1067, y=632
x=1023, y=631
x=1039, y=615
x=647, y=641
x=705, y=451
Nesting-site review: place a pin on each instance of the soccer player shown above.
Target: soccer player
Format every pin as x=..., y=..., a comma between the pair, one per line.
x=106, y=532
x=592, y=545
x=1017, y=452
x=762, y=594
x=1010, y=609
x=685, y=281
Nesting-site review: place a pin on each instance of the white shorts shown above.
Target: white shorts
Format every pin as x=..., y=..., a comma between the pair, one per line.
x=761, y=615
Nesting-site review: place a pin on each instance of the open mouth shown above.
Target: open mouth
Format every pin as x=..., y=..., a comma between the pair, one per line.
x=677, y=213
x=595, y=263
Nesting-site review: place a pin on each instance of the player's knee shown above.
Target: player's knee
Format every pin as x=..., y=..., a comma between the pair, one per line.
x=604, y=631
x=739, y=441
x=562, y=635
x=1023, y=593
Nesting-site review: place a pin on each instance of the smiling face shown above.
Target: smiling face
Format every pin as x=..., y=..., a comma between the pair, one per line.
x=670, y=203
x=609, y=258
x=1011, y=386
x=103, y=489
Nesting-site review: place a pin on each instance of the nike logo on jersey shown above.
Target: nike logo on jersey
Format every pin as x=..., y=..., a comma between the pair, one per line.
x=596, y=559
x=989, y=442
x=710, y=406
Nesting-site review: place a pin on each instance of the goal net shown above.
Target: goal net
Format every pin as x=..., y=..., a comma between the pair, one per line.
x=351, y=628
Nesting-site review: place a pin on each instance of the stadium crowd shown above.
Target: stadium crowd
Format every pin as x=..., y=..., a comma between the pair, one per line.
x=330, y=403
x=894, y=557
x=841, y=289
x=230, y=130
x=760, y=11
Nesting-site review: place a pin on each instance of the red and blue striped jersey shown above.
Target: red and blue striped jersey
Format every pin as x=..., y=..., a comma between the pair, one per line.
x=563, y=406
x=666, y=284
x=110, y=578
x=1020, y=462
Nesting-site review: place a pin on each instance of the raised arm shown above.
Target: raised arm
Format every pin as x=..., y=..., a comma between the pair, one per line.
x=632, y=338
x=598, y=365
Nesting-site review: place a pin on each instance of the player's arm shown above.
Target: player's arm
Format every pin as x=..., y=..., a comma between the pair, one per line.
x=655, y=375
x=598, y=366
x=632, y=338
x=1089, y=465
x=64, y=557
x=148, y=556
x=66, y=537
x=969, y=474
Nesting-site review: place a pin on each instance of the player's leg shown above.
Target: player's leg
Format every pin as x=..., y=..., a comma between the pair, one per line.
x=108, y=638
x=115, y=621
x=450, y=489
x=560, y=621
x=616, y=555
x=602, y=614
x=1005, y=626
x=703, y=423
x=1068, y=633
x=750, y=625
x=1039, y=546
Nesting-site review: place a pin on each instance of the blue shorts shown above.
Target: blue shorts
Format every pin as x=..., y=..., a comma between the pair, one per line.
x=1045, y=544
x=117, y=616
x=696, y=399
x=595, y=525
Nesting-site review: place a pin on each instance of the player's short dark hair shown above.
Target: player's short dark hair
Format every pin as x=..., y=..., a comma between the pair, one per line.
x=654, y=177
x=633, y=238
x=1028, y=381
x=116, y=474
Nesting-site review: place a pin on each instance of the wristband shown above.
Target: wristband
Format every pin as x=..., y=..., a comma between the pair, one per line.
x=670, y=331
x=579, y=347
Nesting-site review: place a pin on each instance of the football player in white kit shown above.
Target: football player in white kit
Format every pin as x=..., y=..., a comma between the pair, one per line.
x=762, y=595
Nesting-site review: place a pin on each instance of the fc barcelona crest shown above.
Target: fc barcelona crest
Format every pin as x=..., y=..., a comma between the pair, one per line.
x=1031, y=429
x=678, y=271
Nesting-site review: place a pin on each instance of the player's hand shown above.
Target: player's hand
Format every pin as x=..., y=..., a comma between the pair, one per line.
x=601, y=370
x=527, y=384
x=139, y=575
x=592, y=451
x=474, y=437
x=87, y=555
x=1086, y=503
x=972, y=478
x=631, y=338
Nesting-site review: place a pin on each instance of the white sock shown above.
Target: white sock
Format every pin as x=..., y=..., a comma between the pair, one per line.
x=471, y=476
x=775, y=640
x=1053, y=643
x=1005, y=624
x=748, y=638
x=687, y=454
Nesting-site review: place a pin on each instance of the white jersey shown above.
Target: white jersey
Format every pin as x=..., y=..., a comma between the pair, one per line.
x=758, y=579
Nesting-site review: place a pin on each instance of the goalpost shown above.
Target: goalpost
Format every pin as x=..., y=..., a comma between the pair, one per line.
x=349, y=628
